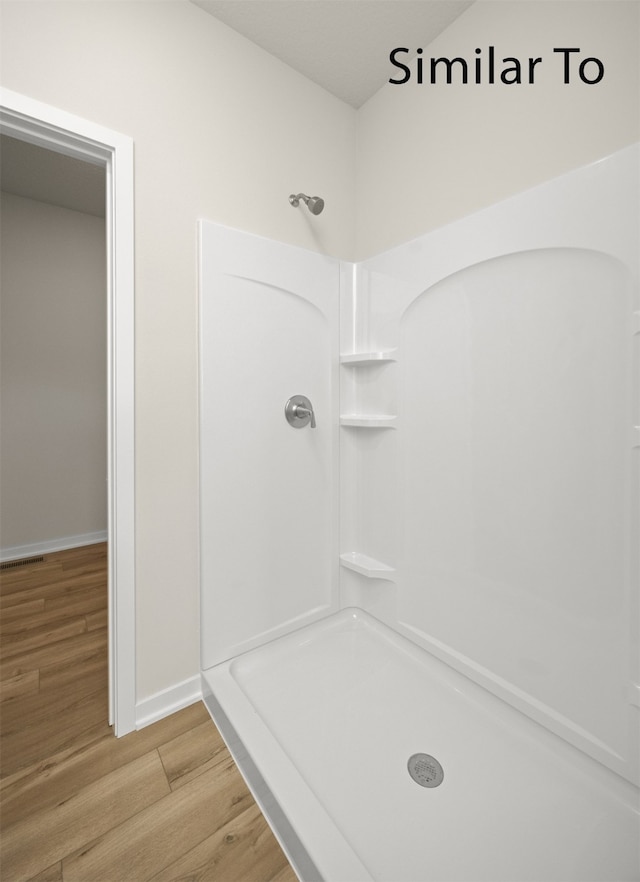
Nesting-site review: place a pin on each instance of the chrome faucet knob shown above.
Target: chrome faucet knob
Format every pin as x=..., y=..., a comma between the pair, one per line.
x=299, y=412
x=305, y=412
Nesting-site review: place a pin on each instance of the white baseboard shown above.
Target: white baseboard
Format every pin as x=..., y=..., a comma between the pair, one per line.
x=32, y=549
x=167, y=702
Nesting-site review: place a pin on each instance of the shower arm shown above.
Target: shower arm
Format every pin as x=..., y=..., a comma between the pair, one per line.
x=315, y=204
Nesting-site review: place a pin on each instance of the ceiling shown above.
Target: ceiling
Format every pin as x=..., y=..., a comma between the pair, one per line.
x=37, y=173
x=342, y=45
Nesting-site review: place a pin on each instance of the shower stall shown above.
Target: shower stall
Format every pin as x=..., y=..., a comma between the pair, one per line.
x=420, y=611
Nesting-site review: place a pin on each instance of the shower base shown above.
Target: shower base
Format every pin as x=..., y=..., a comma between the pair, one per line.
x=322, y=724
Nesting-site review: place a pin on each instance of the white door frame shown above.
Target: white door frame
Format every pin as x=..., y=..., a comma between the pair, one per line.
x=29, y=120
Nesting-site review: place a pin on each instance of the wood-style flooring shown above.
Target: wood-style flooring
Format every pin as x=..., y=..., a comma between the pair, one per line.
x=166, y=803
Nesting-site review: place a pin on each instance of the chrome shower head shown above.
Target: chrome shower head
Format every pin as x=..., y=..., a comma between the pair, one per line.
x=314, y=203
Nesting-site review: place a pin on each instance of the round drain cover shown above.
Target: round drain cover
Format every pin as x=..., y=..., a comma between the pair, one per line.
x=425, y=770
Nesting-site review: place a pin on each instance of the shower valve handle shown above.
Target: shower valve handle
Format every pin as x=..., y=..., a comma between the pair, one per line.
x=305, y=412
x=299, y=412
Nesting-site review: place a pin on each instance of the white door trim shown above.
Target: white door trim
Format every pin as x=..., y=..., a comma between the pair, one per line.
x=29, y=120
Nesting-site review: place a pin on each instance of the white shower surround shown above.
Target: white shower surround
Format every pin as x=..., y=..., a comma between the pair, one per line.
x=488, y=459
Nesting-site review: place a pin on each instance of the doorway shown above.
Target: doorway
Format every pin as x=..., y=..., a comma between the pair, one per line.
x=54, y=340
x=35, y=123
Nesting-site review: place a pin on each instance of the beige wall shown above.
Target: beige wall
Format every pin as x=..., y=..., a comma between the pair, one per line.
x=221, y=131
x=428, y=154
x=53, y=466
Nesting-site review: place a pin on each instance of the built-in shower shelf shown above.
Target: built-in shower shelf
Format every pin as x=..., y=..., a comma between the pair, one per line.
x=367, y=566
x=368, y=421
x=364, y=358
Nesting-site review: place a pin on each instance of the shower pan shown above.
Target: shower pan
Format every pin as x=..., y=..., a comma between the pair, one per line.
x=419, y=630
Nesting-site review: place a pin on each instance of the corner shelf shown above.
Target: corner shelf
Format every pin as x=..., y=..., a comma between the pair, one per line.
x=363, y=358
x=368, y=421
x=367, y=566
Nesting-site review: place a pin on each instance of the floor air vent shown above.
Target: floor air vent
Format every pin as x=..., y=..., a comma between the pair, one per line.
x=25, y=561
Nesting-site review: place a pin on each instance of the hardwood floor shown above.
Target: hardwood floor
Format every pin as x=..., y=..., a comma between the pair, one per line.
x=166, y=803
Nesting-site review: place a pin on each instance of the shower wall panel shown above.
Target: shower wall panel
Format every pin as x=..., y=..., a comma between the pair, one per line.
x=268, y=331
x=511, y=531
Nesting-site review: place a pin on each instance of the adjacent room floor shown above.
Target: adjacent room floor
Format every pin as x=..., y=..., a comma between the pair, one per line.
x=165, y=803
